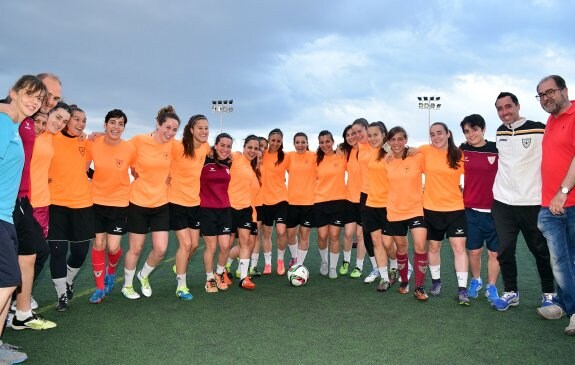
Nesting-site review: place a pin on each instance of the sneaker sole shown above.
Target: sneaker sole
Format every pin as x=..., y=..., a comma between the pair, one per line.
x=507, y=307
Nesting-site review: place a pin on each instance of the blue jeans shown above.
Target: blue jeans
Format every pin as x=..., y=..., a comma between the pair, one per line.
x=559, y=230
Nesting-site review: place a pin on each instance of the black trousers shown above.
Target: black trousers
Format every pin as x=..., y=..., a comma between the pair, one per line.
x=509, y=221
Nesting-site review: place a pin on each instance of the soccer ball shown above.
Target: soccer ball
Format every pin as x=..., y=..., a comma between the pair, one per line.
x=298, y=275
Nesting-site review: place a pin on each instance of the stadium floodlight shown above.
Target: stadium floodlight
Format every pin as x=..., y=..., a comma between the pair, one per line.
x=429, y=107
x=221, y=107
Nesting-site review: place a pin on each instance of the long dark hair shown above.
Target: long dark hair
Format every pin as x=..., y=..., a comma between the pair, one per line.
x=454, y=154
x=320, y=154
x=214, y=153
x=301, y=134
x=254, y=162
x=344, y=146
x=281, y=154
x=188, y=137
x=383, y=129
x=396, y=130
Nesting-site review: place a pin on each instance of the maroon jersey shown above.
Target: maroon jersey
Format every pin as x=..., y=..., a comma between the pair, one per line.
x=214, y=182
x=28, y=136
x=480, y=170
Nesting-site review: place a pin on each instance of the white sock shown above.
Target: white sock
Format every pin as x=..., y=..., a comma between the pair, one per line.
x=20, y=315
x=128, y=277
x=229, y=261
x=359, y=264
x=71, y=275
x=301, y=254
x=393, y=264
x=323, y=255
x=146, y=270
x=409, y=269
x=293, y=250
x=244, y=265
x=347, y=256
x=373, y=262
x=333, y=259
x=181, y=281
x=255, y=259
x=435, y=272
x=383, y=273
x=60, y=286
x=462, y=279
x=220, y=269
x=268, y=257
x=281, y=254
x=209, y=276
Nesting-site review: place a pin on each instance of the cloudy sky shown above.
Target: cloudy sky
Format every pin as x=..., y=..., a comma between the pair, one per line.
x=296, y=65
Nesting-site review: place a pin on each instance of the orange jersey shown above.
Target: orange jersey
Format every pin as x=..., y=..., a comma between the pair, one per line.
x=111, y=180
x=39, y=167
x=363, y=157
x=302, y=177
x=255, y=189
x=353, y=185
x=273, y=179
x=442, y=191
x=405, y=196
x=153, y=159
x=331, y=179
x=241, y=182
x=69, y=185
x=185, y=173
x=378, y=182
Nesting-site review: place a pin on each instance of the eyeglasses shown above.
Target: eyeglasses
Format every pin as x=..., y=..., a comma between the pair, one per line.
x=549, y=93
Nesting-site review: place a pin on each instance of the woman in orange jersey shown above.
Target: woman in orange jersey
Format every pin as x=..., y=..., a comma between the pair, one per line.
x=274, y=192
x=359, y=126
x=444, y=210
x=405, y=209
x=352, y=218
x=184, y=195
x=40, y=121
x=376, y=206
x=112, y=158
x=148, y=210
x=244, y=180
x=301, y=166
x=330, y=203
x=71, y=210
x=258, y=204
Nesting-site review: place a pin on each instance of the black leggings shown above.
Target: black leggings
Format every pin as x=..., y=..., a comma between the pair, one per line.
x=58, y=253
x=366, y=235
x=42, y=254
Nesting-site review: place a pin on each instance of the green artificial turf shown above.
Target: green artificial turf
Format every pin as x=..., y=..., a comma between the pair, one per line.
x=341, y=321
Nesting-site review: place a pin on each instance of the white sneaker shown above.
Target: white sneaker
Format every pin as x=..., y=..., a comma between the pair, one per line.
x=373, y=275
x=332, y=273
x=145, y=283
x=570, y=330
x=323, y=269
x=130, y=293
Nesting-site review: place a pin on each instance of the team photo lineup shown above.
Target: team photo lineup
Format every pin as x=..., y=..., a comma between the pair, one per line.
x=65, y=194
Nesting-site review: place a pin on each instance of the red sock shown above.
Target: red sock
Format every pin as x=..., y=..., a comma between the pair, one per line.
x=113, y=259
x=98, y=265
x=402, y=265
x=420, y=262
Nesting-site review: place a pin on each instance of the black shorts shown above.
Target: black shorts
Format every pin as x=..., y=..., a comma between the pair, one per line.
x=260, y=213
x=9, y=269
x=302, y=215
x=399, y=228
x=329, y=213
x=71, y=224
x=110, y=220
x=254, y=231
x=143, y=220
x=215, y=221
x=445, y=224
x=362, y=201
x=274, y=213
x=182, y=217
x=374, y=219
x=29, y=232
x=352, y=213
x=242, y=218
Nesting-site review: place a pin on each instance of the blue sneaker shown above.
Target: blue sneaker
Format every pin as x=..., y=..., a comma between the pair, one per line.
x=491, y=293
x=183, y=293
x=109, y=282
x=474, y=286
x=463, y=296
x=547, y=299
x=508, y=299
x=435, y=287
x=97, y=297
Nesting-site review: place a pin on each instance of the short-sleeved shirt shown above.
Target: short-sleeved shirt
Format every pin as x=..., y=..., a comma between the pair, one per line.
x=378, y=181
x=11, y=165
x=363, y=156
x=111, y=180
x=214, y=182
x=28, y=135
x=353, y=184
x=273, y=179
x=39, y=168
x=405, y=195
x=331, y=179
x=480, y=170
x=302, y=177
x=242, y=180
x=442, y=190
x=185, y=173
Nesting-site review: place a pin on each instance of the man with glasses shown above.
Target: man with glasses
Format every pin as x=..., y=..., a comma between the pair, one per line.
x=557, y=215
x=517, y=194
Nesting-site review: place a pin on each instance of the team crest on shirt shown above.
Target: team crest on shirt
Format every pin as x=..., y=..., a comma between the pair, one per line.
x=406, y=169
x=526, y=142
x=165, y=155
x=119, y=163
x=491, y=159
x=82, y=150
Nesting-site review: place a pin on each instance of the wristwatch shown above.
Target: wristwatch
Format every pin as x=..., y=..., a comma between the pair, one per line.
x=565, y=190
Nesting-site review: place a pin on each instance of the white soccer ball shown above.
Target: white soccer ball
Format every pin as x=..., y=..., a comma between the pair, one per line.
x=298, y=275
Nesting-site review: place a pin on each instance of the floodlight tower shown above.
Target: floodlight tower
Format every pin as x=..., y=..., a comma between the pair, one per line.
x=429, y=103
x=221, y=107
